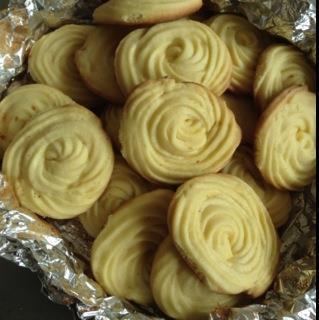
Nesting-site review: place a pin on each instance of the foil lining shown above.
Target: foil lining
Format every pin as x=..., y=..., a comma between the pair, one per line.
x=59, y=250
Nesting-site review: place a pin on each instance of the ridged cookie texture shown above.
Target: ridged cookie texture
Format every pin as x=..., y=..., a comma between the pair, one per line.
x=172, y=131
x=95, y=62
x=183, y=50
x=178, y=292
x=245, y=113
x=23, y=104
x=245, y=43
x=123, y=252
x=125, y=184
x=285, y=145
x=52, y=62
x=279, y=67
x=277, y=202
x=225, y=234
x=111, y=122
x=60, y=162
x=128, y=12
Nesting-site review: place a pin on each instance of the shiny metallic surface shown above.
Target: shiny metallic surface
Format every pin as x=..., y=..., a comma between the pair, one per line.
x=59, y=251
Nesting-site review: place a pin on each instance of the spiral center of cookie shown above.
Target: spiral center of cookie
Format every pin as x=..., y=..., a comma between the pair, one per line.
x=64, y=156
x=218, y=231
x=174, y=51
x=191, y=134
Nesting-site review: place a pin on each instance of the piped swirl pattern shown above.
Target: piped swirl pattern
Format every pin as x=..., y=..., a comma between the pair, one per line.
x=285, y=145
x=183, y=50
x=225, y=234
x=52, y=62
x=245, y=43
x=60, y=162
x=23, y=104
x=279, y=67
x=123, y=252
x=173, y=131
x=177, y=290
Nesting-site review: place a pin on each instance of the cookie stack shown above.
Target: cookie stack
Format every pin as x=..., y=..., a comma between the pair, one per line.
x=186, y=174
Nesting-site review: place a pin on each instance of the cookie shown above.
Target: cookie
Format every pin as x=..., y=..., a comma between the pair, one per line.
x=123, y=252
x=176, y=289
x=245, y=43
x=172, y=131
x=124, y=185
x=111, y=121
x=95, y=62
x=183, y=50
x=277, y=202
x=128, y=12
x=225, y=234
x=23, y=104
x=245, y=113
x=285, y=145
x=279, y=67
x=51, y=62
x=60, y=163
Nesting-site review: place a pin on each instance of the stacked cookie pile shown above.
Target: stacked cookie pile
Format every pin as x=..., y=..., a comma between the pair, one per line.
x=186, y=175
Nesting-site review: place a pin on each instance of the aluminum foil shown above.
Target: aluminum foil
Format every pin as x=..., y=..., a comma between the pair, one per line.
x=59, y=250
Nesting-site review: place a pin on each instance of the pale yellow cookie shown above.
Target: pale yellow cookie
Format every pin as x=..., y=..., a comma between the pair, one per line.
x=245, y=114
x=125, y=184
x=178, y=292
x=172, y=131
x=136, y=12
x=60, y=162
x=123, y=252
x=111, y=121
x=277, y=202
x=285, y=145
x=183, y=50
x=225, y=234
x=51, y=62
x=281, y=66
x=95, y=62
x=23, y=104
x=245, y=43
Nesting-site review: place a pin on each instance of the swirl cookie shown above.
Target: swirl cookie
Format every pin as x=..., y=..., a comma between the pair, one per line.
x=51, y=62
x=278, y=203
x=176, y=289
x=111, y=121
x=183, y=50
x=281, y=66
x=225, y=234
x=245, y=43
x=23, y=104
x=124, y=185
x=245, y=114
x=172, y=131
x=123, y=252
x=136, y=12
x=60, y=162
x=285, y=145
x=95, y=62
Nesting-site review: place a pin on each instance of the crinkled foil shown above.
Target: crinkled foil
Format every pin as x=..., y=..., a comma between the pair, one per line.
x=59, y=250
